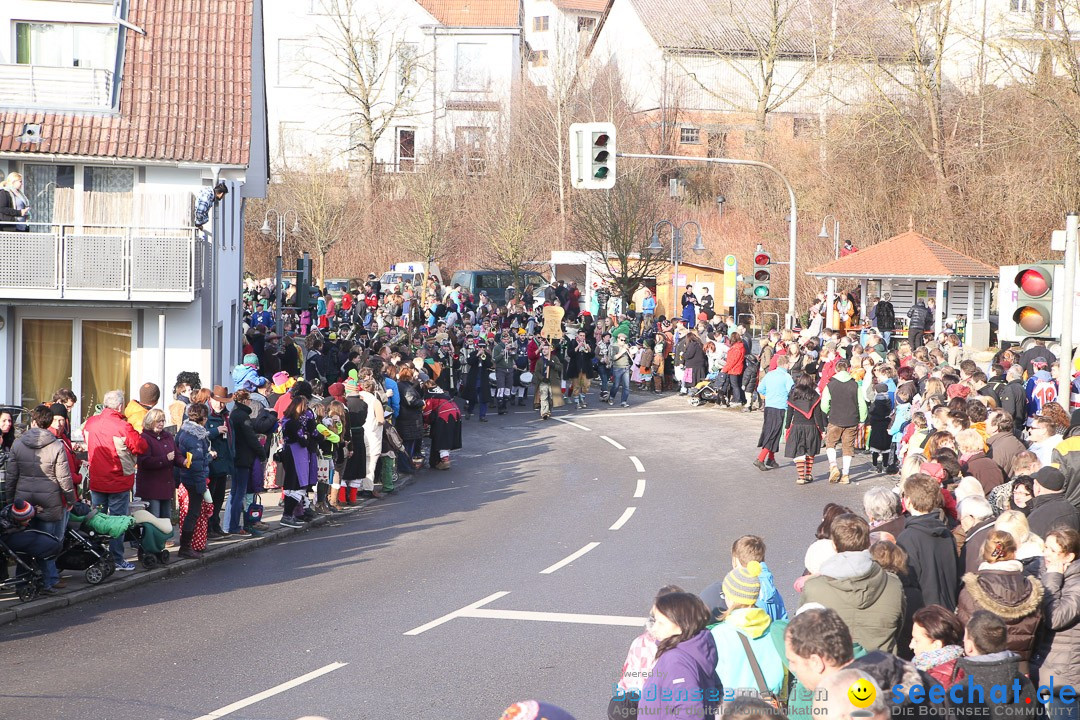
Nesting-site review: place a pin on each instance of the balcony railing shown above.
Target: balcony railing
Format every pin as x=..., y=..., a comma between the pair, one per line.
x=94, y=263
x=55, y=88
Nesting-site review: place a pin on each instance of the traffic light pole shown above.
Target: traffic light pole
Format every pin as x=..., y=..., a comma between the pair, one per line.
x=1065, y=364
x=792, y=219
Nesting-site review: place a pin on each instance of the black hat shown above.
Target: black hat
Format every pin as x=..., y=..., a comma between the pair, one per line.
x=59, y=410
x=1050, y=478
x=302, y=389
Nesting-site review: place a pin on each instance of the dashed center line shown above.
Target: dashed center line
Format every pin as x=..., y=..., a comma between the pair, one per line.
x=623, y=519
x=637, y=463
x=569, y=559
x=574, y=424
x=640, y=491
x=276, y=690
x=616, y=445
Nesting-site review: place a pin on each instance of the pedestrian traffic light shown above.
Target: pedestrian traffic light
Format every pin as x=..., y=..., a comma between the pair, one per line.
x=592, y=155
x=1034, y=287
x=762, y=274
x=307, y=297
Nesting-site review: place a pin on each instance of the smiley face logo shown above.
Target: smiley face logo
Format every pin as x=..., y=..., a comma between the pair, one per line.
x=861, y=693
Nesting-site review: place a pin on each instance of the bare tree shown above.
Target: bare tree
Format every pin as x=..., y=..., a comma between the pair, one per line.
x=614, y=226
x=427, y=215
x=370, y=61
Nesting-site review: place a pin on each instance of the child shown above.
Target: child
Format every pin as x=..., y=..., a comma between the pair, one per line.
x=880, y=442
x=751, y=548
x=901, y=418
x=915, y=435
x=645, y=365
x=752, y=365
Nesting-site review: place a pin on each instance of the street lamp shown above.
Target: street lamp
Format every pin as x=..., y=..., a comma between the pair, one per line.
x=720, y=200
x=279, y=220
x=824, y=234
x=676, y=255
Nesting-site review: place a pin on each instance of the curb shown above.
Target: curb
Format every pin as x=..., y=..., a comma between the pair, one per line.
x=175, y=567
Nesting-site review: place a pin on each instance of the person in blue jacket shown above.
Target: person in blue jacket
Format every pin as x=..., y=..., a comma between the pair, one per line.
x=747, y=629
x=683, y=683
x=193, y=456
x=745, y=550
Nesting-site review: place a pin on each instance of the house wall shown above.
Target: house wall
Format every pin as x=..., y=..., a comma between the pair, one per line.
x=562, y=41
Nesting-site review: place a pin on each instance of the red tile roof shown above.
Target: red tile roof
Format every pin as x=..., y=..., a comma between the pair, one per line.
x=474, y=13
x=185, y=93
x=597, y=6
x=908, y=255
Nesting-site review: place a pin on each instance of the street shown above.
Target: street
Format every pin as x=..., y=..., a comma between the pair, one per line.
x=524, y=572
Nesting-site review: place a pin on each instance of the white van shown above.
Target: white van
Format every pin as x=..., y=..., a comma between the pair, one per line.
x=414, y=273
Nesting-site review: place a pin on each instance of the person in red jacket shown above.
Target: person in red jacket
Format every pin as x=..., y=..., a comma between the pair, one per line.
x=112, y=444
x=734, y=366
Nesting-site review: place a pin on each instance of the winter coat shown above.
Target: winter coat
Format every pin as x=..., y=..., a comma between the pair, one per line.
x=155, y=478
x=224, y=444
x=355, y=464
x=985, y=470
x=736, y=359
x=112, y=445
x=247, y=445
x=920, y=316
x=1066, y=457
x=1014, y=401
x=1057, y=652
x=766, y=641
x=410, y=422
x=694, y=359
x=194, y=440
x=38, y=473
x=479, y=371
x=870, y=600
x=1009, y=594
x=1052, y=511
x=932, y=559
x=889, y=671
x=973, y=539
x=135, y=412
x=1003, y=448
x=1001, y=668
x=684, y=683
x=245, y=377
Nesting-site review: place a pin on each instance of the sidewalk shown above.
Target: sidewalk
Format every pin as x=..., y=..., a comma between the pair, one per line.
x=78, y=590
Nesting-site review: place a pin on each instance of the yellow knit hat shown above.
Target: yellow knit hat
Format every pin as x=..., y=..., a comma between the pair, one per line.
x=741, y=586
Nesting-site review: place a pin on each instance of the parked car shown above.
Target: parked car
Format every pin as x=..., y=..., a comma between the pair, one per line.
x=338, y=287
x=413, y=273
x=493, y=282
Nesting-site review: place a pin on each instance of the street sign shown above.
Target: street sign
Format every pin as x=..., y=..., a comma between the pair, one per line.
x=731, y=280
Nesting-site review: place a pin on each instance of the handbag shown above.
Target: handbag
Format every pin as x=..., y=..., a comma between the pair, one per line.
x=392, y=438
x=763, y=689
x=254, y=512
x=322, y=473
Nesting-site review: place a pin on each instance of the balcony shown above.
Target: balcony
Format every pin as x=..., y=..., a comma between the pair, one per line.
x=55, y=88
x=110, y=264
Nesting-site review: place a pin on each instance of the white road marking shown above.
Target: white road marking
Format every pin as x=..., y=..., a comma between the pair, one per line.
x=622, y=520
x=622, y=620
x=567, y=422
x=640, y=491
x=276, y=690
x=615, y=444
x=619, y=414
x=457, y=613
x=524, y=447
x=637, y=463
x=569, y=559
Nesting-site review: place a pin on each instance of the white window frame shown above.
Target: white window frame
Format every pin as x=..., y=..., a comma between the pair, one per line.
x=397, y=149
x=480, y=66
x=541, y=23
x=69, y=40
x=683, y=129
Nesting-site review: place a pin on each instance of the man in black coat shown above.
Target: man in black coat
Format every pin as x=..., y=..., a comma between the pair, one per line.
x=921, y=319
x=1051, y=509
x=885, y=317
x=930, y=546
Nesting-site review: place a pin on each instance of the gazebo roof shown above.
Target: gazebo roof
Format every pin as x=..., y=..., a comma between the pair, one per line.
x=909, y=255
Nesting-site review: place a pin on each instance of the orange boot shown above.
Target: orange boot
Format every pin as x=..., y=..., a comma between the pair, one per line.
x=352, y=495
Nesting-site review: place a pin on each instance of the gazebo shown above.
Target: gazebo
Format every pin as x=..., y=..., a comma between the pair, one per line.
x=910, y=266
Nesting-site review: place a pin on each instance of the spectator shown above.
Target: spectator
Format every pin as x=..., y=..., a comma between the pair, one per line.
x=112, y=445
x=1001, y=587
x=640, y=660
x=1004, y=445
x=1066, y=457
x=38, y=474
x=937, y=639
x=1029, y=546
x=1051, y=509
x=747, y=636
x=1057, y=655
x=882, y=508
x=989, y=662
x=187, y=383
x=136, y=410
x=976, y=522
x=929, y=544
x=817, y=643
x=250, y=453
x=747, y=549
x=154, y=481
x=193, y=460
x=685, y=660
x=893, y=560
x=975, y=462
x=1013, y=397
x=833, y=699
x=868, y=600
x=1044, y=436
x=222, y=440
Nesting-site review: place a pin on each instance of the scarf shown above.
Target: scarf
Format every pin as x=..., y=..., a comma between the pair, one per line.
x=932, y=658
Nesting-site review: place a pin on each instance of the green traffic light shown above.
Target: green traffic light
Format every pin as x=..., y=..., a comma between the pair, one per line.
x=761, y=291
x=601, y=172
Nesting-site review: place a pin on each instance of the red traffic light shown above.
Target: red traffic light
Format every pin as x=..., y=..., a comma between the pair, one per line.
x=1032, y=319
x=762, y=259
x=600, y=140
x=1033, y=282
x=761, y=275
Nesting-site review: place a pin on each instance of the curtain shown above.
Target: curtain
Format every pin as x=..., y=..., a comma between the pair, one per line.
x=46, y=359
x=106, y=361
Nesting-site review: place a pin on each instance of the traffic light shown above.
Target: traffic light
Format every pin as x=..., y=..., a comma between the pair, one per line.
x=762, y=274
x=1034, y=286
x=307, y=297
x=592, y=155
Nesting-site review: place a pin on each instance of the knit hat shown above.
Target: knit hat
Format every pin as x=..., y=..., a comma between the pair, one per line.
x=741, y=586
x=816, y=555
x=252, y=359
x=59, y=410
x=957, y=390
x=22, y=510
x=1050, y=478
x=934, y=470
x=149, y=394
x=337, y=391
x=280, y=378
x=534, y=710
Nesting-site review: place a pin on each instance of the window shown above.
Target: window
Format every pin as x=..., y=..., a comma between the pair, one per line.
x=291, y=62
x=1022, y=6
x=106, y=360
x=108, y=179
x=50, y=189
x=717, y=144
x=290, y=139
x=471, y=144
x=406, y=149
x=586, y=24
x=66, y=45
x=407, y=65
x=46, y=359
x=320, y=7
x=804, y=127
x=689, y=136
x=470, y=71
x=540, y=24
x=539, y=58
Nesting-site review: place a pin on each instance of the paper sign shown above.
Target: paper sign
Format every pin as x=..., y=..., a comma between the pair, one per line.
x=553, y=315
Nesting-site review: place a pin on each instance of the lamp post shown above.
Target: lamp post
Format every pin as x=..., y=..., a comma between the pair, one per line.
x=720, y=200
x=824, y=235
x=279, y=292
x=655, y=246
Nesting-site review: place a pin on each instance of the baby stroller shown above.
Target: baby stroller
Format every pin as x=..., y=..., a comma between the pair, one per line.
x=148, y=535
x=86, y=542
x=713, y=391
x=28, y=580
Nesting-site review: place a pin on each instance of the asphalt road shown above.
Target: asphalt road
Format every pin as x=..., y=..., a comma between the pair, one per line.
x=523, y=496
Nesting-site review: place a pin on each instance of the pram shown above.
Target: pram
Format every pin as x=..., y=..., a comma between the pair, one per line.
x=148, y=535
x=28, y=580
x=713, y=390
x=85, y=549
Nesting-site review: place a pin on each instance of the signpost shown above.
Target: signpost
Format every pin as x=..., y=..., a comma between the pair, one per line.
x=731, y=281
